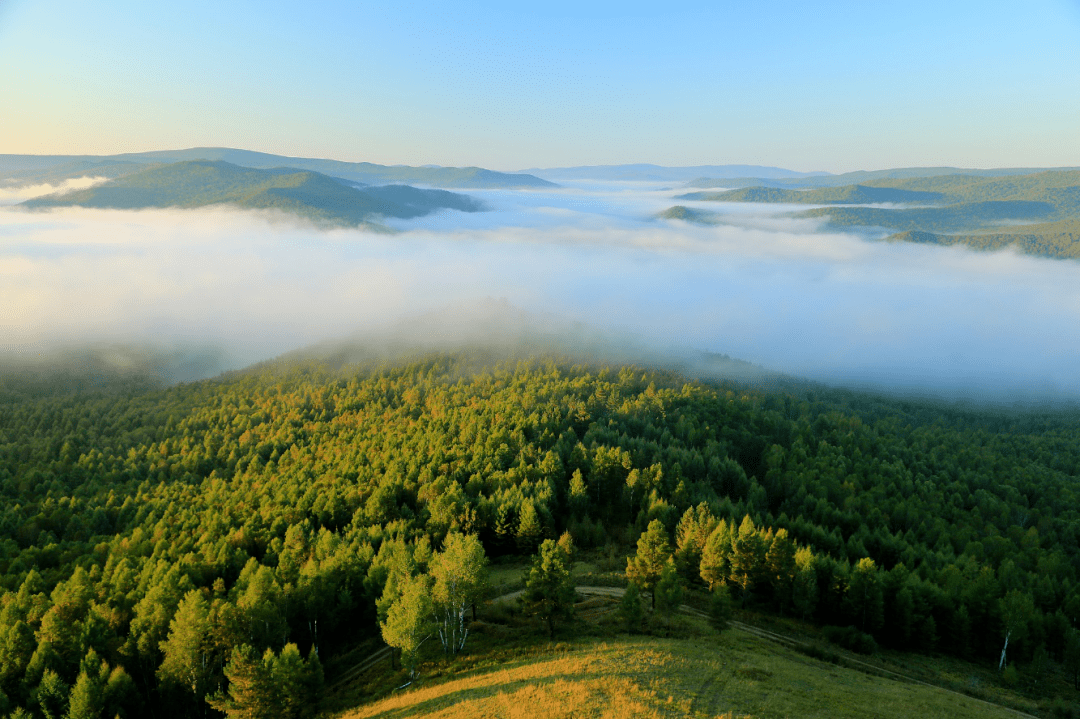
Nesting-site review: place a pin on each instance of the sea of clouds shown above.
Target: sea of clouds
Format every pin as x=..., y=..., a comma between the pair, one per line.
x=761, y=286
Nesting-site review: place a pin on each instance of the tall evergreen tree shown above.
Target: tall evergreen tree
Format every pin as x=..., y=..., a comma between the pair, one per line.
x=251, y=693
x=715, y=568
x=87, y=700
x=549, y=587
x=530, y=530
x=653, y=552
x=780, y=564
x=669, y=591
x=630, y=609
x=691, y=535
x=864, y=597
x=186, y=650
x=747, y=557
x=804, y=591
x=578, y=495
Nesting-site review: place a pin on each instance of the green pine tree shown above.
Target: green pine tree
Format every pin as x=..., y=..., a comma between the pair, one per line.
x=720, y=607
x=630, y=609
x=549, y=587
x=669, y=591
x=653, y=552
x=251, y=693
x=747, y=557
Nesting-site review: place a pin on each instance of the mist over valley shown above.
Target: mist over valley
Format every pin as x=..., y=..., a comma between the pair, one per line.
x=759, y=281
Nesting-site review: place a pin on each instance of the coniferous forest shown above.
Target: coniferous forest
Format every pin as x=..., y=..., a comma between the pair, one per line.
x=192, y=550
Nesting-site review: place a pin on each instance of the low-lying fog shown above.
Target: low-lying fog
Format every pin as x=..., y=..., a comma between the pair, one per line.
x=761, y=287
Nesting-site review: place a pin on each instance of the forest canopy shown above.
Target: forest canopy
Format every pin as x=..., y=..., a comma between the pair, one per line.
x=161, y=545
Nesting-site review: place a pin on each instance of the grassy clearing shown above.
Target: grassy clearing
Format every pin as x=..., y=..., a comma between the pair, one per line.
x=730, y=674
x=684, y=668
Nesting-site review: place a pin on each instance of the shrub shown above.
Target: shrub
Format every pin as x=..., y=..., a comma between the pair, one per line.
x=851, y=638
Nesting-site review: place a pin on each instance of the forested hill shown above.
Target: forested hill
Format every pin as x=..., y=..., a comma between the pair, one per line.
x=151, y=537
x=317, y=197
x=1039, y=213
x=53, y=169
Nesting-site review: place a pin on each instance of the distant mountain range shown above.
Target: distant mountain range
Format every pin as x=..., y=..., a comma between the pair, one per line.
x=320, y=198
x=849, y=194
x=823, y=179
x=657, y=173
x=52, y=169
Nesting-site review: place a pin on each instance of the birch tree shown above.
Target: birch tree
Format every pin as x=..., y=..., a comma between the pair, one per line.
x=410, y=620
x=460, y=573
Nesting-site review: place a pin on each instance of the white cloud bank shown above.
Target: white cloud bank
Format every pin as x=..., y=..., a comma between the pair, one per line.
x=15, y=195
x=763, y=288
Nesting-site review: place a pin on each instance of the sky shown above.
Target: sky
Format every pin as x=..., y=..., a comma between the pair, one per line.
x=833, y=85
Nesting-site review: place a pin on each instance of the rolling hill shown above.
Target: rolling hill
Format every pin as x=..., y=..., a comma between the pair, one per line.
x=31, y=169
x=311, y=195
x=730, y=675
x=859, y=177
x=850, y=194
x=1038, y=212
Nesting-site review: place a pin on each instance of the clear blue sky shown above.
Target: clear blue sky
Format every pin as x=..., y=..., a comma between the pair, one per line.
x=807, y=85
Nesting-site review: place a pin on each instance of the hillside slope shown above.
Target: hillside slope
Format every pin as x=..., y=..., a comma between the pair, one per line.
x=732, y=674
x=311, y=195
x=278, y=500
x=27, y=169
x=1038, y=213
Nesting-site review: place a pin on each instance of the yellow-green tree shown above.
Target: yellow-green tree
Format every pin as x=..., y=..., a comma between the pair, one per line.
x=460, y=574
x=653, y=552
x=410, y=620
x=747, y=557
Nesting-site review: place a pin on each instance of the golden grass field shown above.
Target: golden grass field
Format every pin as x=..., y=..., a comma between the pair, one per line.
x=728, y=675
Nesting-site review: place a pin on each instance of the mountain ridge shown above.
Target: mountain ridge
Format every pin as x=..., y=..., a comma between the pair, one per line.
x=28, y=169
x=312, y=195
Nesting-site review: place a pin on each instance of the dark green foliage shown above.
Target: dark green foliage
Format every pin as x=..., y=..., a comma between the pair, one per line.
x=549, y=587
x=51, y=695
x=780, y=566
x=721, y=607
x=669, y=591
x=275, y=685
x=866, y=602
x=850, y=638
x=630, y=609
x=1072, y=656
